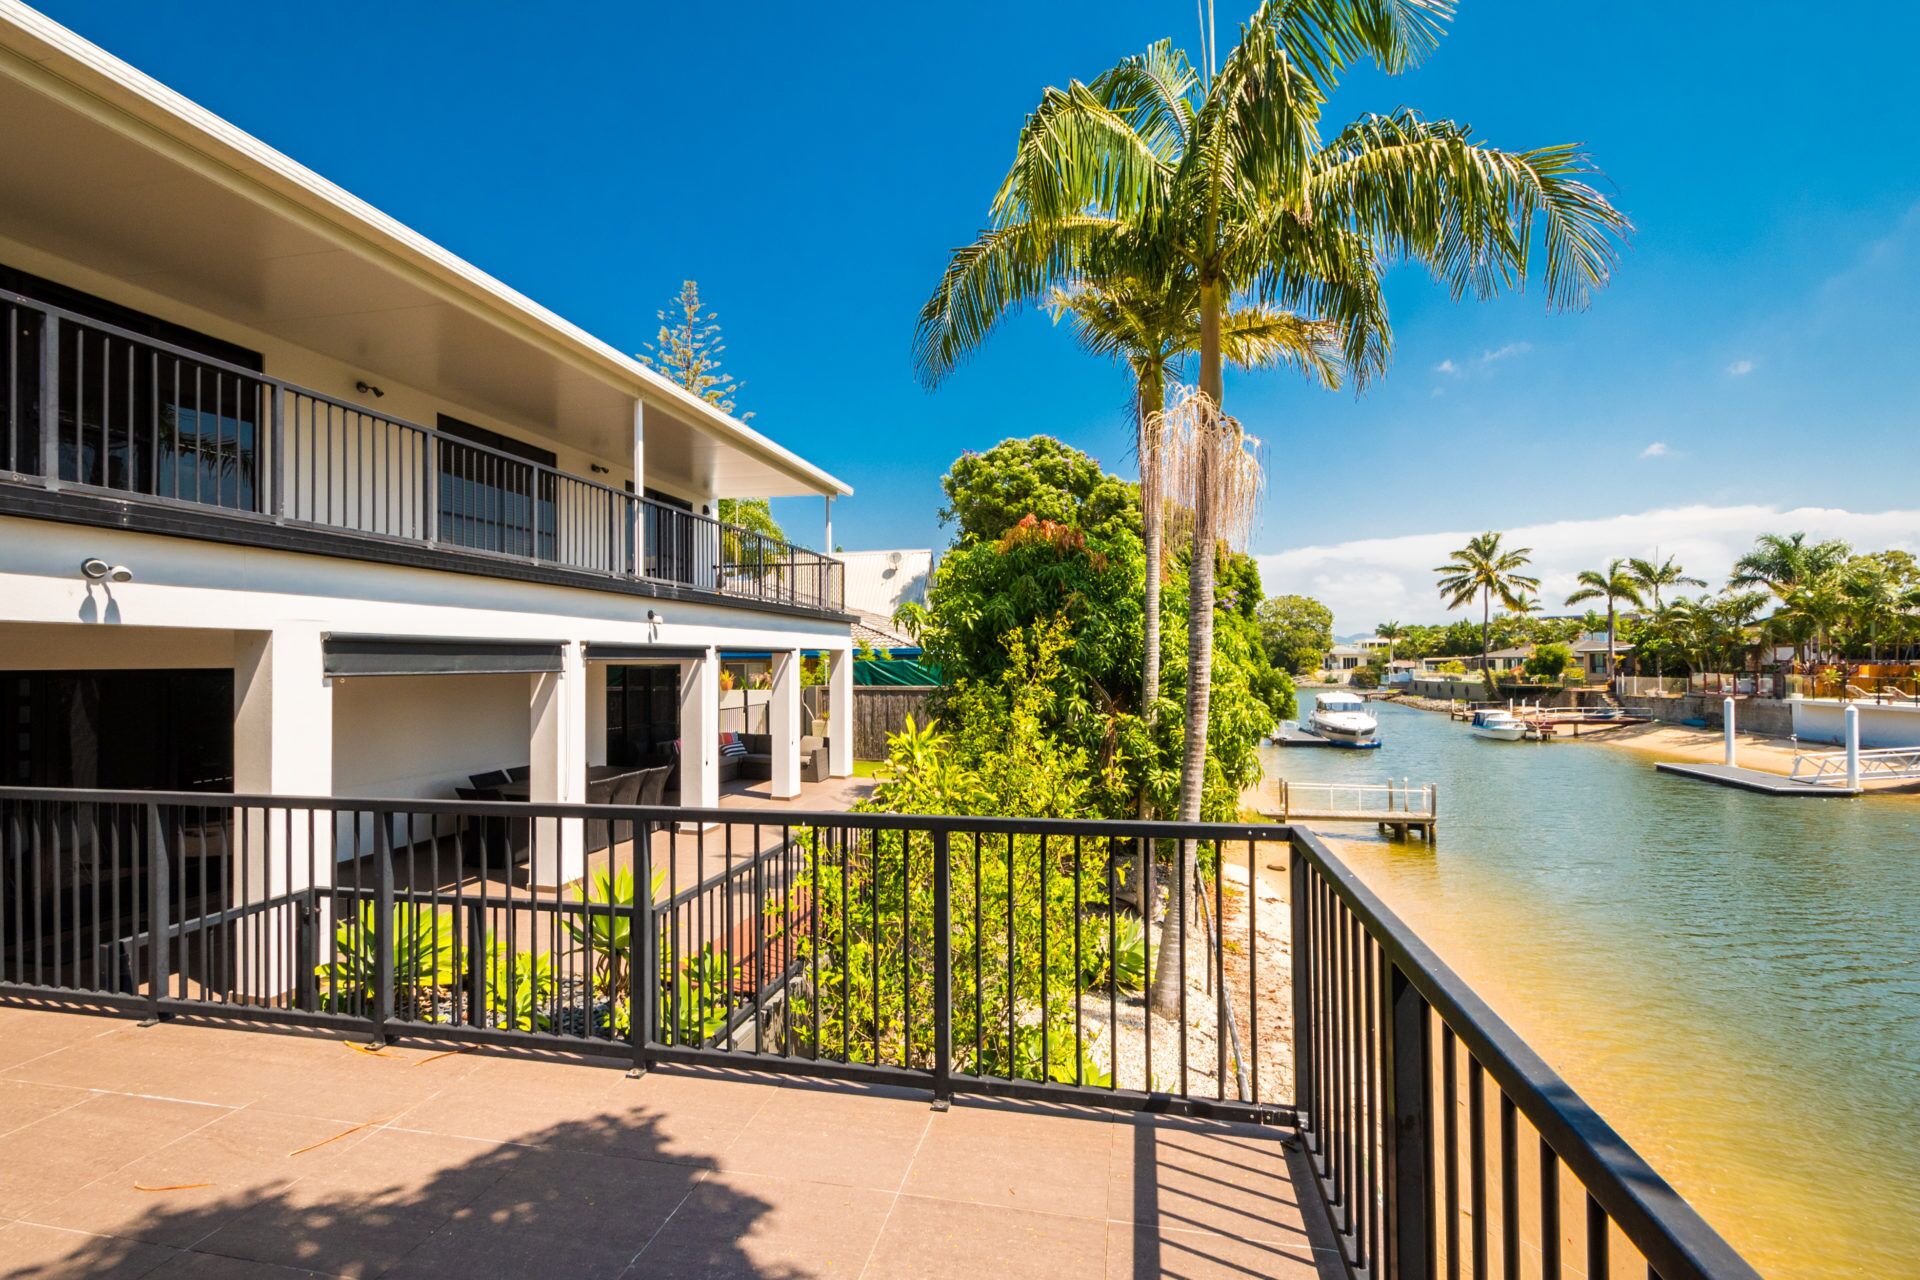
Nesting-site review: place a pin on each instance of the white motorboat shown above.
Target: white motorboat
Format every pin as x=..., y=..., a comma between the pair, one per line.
x=1343, y=718
x=1497, y=722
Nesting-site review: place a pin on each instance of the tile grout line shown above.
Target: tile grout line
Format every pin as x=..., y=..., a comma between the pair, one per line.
x=894, y=1203
x=124, y=1165
x=699, y=1178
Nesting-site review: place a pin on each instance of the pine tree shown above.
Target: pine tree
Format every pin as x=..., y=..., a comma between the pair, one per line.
x=688, y=350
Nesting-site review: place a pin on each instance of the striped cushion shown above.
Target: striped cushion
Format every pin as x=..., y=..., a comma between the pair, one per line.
x=730, y=745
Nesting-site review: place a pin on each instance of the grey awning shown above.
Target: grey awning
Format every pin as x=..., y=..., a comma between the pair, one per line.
x=437, y=656
x=598, y=651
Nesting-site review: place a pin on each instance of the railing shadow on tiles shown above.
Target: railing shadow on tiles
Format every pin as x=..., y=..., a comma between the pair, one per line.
x=956, y=955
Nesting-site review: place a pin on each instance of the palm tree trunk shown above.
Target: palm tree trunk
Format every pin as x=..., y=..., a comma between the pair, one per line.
x=1486, y=624
x=1167, y=976
x=1152, y=400
x=1611, y=668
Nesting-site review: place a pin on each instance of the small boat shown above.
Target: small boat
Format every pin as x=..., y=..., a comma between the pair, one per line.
x=1343, y=718
x=1498, y=723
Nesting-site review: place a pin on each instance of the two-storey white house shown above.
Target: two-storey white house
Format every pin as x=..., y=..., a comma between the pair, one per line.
x=295, y=501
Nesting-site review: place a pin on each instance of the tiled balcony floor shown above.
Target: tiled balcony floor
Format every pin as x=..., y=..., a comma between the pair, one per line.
x=193, y=1150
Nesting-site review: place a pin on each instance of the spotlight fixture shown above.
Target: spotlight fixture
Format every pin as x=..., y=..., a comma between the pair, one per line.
x=368, y=389
x=653, y=616
x=599, y=470
x=94, y=569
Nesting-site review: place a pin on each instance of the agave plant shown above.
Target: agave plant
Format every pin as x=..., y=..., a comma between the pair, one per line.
x=605, y=928
x=421, y=943
x=519, y=988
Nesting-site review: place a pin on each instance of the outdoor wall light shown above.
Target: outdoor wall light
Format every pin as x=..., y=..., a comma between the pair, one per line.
x=652, y=616
x=94, y=569
x=600, y=470
x=368, y=389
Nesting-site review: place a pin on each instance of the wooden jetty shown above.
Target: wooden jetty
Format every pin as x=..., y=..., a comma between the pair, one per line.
x=1398, y=808
x=1772, y=784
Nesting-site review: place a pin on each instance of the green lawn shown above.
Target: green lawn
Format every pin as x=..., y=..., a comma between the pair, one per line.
x=868, y=768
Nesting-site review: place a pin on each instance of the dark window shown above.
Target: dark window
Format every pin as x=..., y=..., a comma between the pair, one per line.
x=643, y=714
x=495, y=503
x=156, y=730
x=132, y=416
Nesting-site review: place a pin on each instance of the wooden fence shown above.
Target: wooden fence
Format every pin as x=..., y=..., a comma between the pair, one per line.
x=882, y=710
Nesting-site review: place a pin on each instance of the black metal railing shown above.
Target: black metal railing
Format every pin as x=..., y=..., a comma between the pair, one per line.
x=953, y=954
x=90, y=405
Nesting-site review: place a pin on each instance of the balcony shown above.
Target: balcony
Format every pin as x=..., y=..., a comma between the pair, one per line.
x=792, y=991
x=97, y=411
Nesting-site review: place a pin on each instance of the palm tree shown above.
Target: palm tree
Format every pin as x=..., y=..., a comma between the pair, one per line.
x=1390, y=632
x=1214, y=470
x=1782, y=563
x=1483, y=568
x=1614, y=583
x=1652, y=575
x=1877, y=597
x=1152, y=326
x=1223, y=183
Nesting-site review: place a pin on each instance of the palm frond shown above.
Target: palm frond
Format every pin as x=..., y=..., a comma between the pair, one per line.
x=1426, y=190
x=1261, y=337
x=1003, y=270
x=1078, y=154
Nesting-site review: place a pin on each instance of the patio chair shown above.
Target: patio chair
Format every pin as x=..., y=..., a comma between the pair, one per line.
x=489, y=833
x=626, y=787
x=653, y=784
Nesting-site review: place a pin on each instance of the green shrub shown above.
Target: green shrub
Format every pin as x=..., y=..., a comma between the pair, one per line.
x=421, y=943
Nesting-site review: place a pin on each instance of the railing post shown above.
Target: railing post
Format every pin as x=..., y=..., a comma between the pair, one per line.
x=942, y=971
x=157, y=912
x=50, y=399
x=1297, y=890
x=384, y=933
x=477, y=974
x=1407, y=1129
x=430, y=510
x=642, y=976
x=278, y=463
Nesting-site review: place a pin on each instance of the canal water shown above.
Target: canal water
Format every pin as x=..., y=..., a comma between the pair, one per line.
x=1732, y=980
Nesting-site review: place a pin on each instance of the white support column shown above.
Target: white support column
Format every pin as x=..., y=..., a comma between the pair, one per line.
x=840, y=713
x=596, y=713
x=639, y=489
x=783, y=716
x=557, y=742
x=700, y=732
x=282, y=746
x=1726, y=716
x=826, y=544
x=1853, y=748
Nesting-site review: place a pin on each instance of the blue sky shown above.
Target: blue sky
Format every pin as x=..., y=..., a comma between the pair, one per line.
x=812, y=165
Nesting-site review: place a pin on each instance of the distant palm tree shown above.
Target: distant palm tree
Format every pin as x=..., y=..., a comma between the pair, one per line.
x=1877, y=597
x=1614, y=583
x=1652, y=575
x=1483, y=568
x=1781, y=563
x=1390, y=632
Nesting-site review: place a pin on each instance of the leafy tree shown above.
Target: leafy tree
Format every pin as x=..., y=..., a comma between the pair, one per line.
x=1485, y=569
x=989, y=493
x=1651, y=576
x=1549, y=661
x=688, y=348
x=1614, y=583
x=1297, y=632
x=755, y=515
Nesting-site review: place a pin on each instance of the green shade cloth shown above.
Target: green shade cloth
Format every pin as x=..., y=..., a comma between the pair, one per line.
x=899, y=671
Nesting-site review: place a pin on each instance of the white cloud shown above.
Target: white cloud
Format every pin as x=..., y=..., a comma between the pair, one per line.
x=1740, y=368
x=1446, y=366
x=1372, y=579
x=1658, y=449
x=1502, y=353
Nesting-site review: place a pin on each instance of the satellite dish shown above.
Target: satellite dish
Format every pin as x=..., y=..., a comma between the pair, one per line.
x=893, y=558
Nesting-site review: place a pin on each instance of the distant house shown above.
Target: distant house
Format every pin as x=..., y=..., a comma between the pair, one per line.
x=1591, y=652
x=879, y=582
x=1500, y=659
x=1344, y=659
